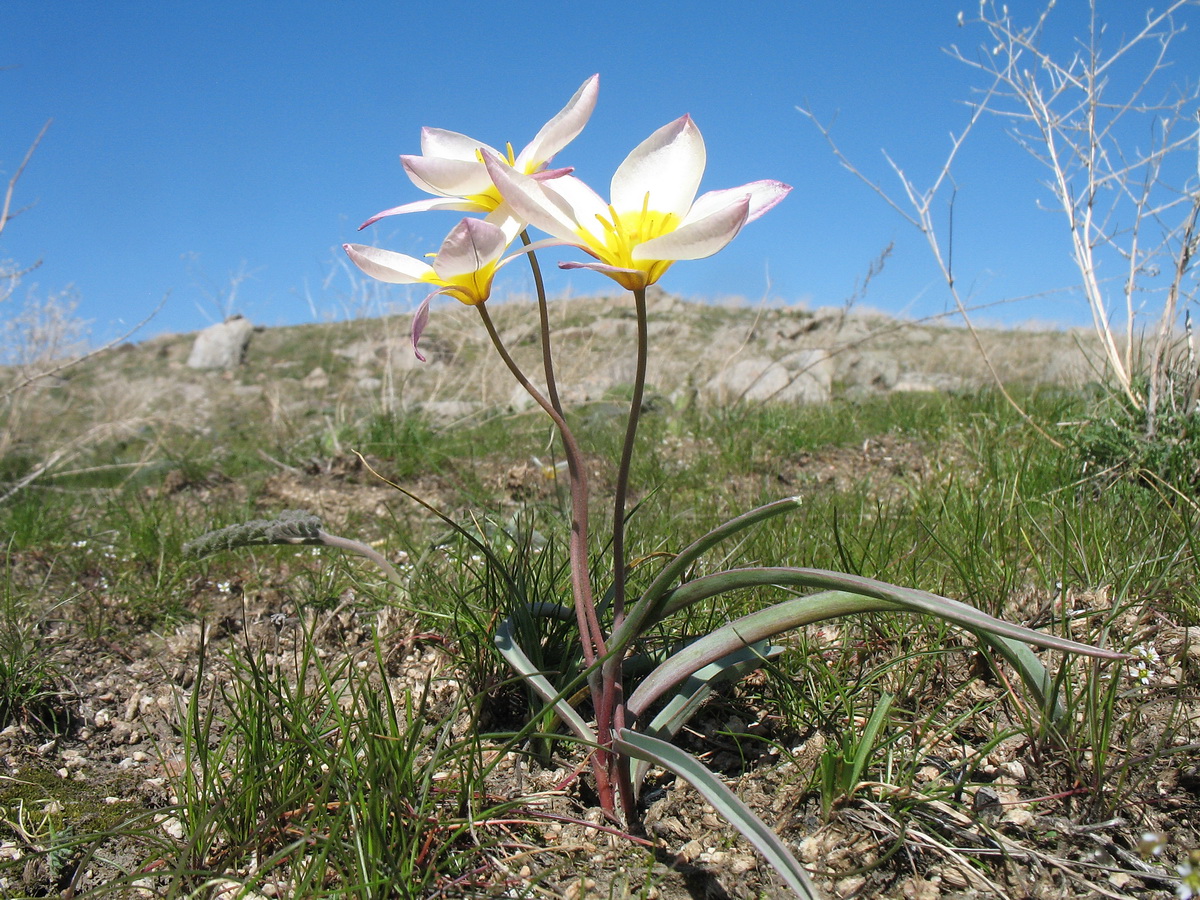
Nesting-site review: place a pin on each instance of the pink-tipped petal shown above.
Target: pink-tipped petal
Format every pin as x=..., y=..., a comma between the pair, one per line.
x=387, y=265
x=447, y=177
x=700, y=238
x=420, y=320
x=437, y=203
x=560, y=130
x=668, y=166
x=437, y=142
x=472, y=245
x=764, y=196
x=550, y=174
x=532, y=202
x=603, y=268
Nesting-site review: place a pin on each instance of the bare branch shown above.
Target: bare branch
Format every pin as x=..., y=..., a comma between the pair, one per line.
x=5, y=214
x=76, y=360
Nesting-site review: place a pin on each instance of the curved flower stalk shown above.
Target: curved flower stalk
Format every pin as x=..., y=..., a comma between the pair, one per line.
x=463, y=268
x=451, y=164
x=654, y=217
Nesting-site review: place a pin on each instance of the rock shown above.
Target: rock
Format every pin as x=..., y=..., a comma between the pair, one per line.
x=932, y=382
x=395, y=352
x=873, y=370
x=806, y=379
x=449, y=410
x=221, y=346
x=812, y=376
x=316, y=380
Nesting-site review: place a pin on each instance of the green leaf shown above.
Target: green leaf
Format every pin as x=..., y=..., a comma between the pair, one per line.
x=866, y=742
x=723, y=800
x=848, y=595
x=647, y=610
x=523, y=666
x=695, y=689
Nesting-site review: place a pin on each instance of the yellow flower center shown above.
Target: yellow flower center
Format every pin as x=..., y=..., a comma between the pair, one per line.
x=471, y=288
x=620, y=233
x=490, y=199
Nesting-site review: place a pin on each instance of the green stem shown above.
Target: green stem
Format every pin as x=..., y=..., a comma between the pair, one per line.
x=585, y=607
x=631, y=427
x=590, y=634
x=611, y=711
x=544, y=320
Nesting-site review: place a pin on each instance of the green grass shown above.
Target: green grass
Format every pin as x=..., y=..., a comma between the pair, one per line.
x=311, y=763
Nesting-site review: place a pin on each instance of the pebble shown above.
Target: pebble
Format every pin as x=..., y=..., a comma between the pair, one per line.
x=578, y=890
x=171, y=825
x=1016, y=770
x=849, y=886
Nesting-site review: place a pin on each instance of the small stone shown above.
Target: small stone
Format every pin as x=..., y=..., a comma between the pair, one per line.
x=918, y=888
x=1015, y=769
x=1022, y=818
x=849, y=886
x=172, y=826
x=578, y=890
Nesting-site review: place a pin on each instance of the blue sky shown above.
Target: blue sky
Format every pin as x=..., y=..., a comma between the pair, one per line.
x=193, y=140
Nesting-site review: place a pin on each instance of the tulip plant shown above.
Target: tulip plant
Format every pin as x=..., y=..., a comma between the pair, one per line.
x=653, y=219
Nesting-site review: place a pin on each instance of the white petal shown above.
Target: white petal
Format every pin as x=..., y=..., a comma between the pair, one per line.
x=764, y=195
x=420, y=320
x=437, y=203
x=447, y=177
x=585, y=205
x=560, y=130
x=437, y=142
x=668, y=166
x=470, y=246
x=602, y=268
x=538, y=206
x=386, y=265
x=700, y=238
x=506, y=219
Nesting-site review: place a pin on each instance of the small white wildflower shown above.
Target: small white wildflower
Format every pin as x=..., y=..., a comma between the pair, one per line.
x=1151, y=843
x=224, y=587
x=79, y=544
x=1141, y=667
x=1189, y=878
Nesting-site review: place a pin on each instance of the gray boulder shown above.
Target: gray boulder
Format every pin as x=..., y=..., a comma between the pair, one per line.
x=221, y=346
x=761, y=379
